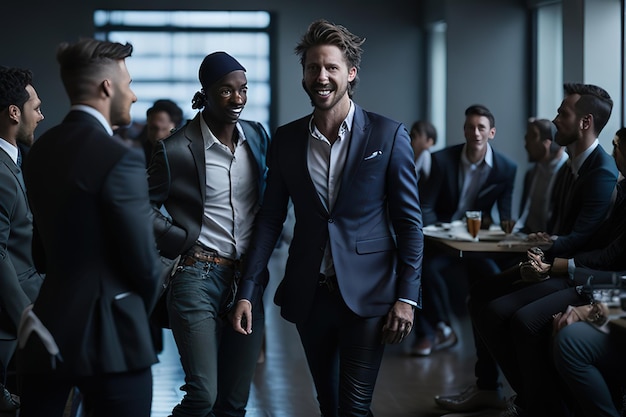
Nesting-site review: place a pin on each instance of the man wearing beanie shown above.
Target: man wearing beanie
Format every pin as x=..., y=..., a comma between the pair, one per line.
x=210, y=177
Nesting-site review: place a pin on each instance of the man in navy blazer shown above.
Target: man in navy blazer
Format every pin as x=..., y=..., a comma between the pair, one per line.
x=20, y=113
x=93, y=238
x=441, y=194
x=352, y=277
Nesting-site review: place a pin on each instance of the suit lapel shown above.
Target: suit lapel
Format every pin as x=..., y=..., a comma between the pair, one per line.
x=196, y=146
x=356, y=152
x=17, y=172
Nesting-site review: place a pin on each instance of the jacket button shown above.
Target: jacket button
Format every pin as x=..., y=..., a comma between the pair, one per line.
x=331, y=220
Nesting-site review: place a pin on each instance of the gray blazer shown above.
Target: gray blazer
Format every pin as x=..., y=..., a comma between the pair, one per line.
x=19, y=280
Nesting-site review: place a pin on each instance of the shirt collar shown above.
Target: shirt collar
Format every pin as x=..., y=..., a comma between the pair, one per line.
x=95, y=113
x=488, y=159
x=9, y=149
x=577, y=162
x=210, y=139
x=344, y=129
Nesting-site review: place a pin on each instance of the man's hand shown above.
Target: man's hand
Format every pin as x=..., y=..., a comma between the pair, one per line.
x=399, y=323
x=534, y=269
x=242, y=317
x=536, y=259
x=540, y=238
x=596, y=314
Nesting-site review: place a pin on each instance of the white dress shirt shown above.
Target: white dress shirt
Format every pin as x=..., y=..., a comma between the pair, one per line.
x=9, y=149
x=472, y=176
x=326, y=162
x=231, y=195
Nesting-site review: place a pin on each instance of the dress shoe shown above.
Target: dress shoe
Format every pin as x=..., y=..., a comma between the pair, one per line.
x=472, y=399
x=445, y=337
x=8, y=402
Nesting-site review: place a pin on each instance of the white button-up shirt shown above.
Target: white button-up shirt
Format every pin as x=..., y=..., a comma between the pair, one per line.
x=231, y=195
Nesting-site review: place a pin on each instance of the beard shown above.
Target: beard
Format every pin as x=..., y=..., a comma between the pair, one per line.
x=25, y=138
x=338, y=95
x=563, y=139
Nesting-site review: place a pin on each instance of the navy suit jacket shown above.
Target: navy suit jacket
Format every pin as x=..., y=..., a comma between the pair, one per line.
x=93, y=237
x=440, y=194
x=19, y=280
x=607, y=246
x=374, y=228
x=585, y=207
x=177, y=178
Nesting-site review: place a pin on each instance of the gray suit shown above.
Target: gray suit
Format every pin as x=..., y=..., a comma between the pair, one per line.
x=19, y=281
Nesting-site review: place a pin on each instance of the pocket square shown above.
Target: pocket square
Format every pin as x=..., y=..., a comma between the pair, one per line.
x=373, y=155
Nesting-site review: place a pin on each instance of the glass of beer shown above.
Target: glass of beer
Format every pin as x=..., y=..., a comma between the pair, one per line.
x=473, y=222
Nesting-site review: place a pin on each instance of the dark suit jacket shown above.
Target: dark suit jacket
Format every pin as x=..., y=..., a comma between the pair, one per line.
x=606, y=248
x=589, y=201
x=440, y=194
x=177, y=177
x=374, y=229
x=93, y=238
x=19, y=280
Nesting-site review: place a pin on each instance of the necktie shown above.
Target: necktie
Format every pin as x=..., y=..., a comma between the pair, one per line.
x=565, y=183
x=19, y=158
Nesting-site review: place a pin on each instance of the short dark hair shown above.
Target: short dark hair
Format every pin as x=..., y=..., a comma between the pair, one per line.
x=13, y=83
x=547, y=131
x=424, y=127
x=322, y=32
x=593, y=100
x=480, y=110
x=82, y=60
x=169, y=107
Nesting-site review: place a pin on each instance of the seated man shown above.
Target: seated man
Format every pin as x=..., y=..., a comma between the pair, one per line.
x=469, y=176
x=581, y=198
x=590, y=361
x=547, y=157
x=516, y=326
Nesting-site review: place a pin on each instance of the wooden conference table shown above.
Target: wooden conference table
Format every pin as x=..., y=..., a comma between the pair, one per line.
x=454, y=239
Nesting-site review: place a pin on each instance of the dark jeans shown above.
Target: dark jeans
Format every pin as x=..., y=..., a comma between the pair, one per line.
x=218, y=362
x=127, y=394
x=344, y=352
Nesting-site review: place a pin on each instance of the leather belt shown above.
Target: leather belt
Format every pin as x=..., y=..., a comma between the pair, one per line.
x=328, y=281
x=198, y=254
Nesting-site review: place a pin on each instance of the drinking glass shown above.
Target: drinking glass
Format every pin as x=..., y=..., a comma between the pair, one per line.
x=473, y=222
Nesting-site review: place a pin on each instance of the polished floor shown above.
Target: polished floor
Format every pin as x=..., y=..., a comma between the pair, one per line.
x=282, y=386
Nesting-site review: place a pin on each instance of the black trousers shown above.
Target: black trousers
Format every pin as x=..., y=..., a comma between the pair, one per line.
x=344, y=353
x=514, y=321
x=127, y=394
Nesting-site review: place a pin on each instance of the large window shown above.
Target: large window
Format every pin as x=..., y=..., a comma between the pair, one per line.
x=170, y=45
x=549, y=60
x=436, y=80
